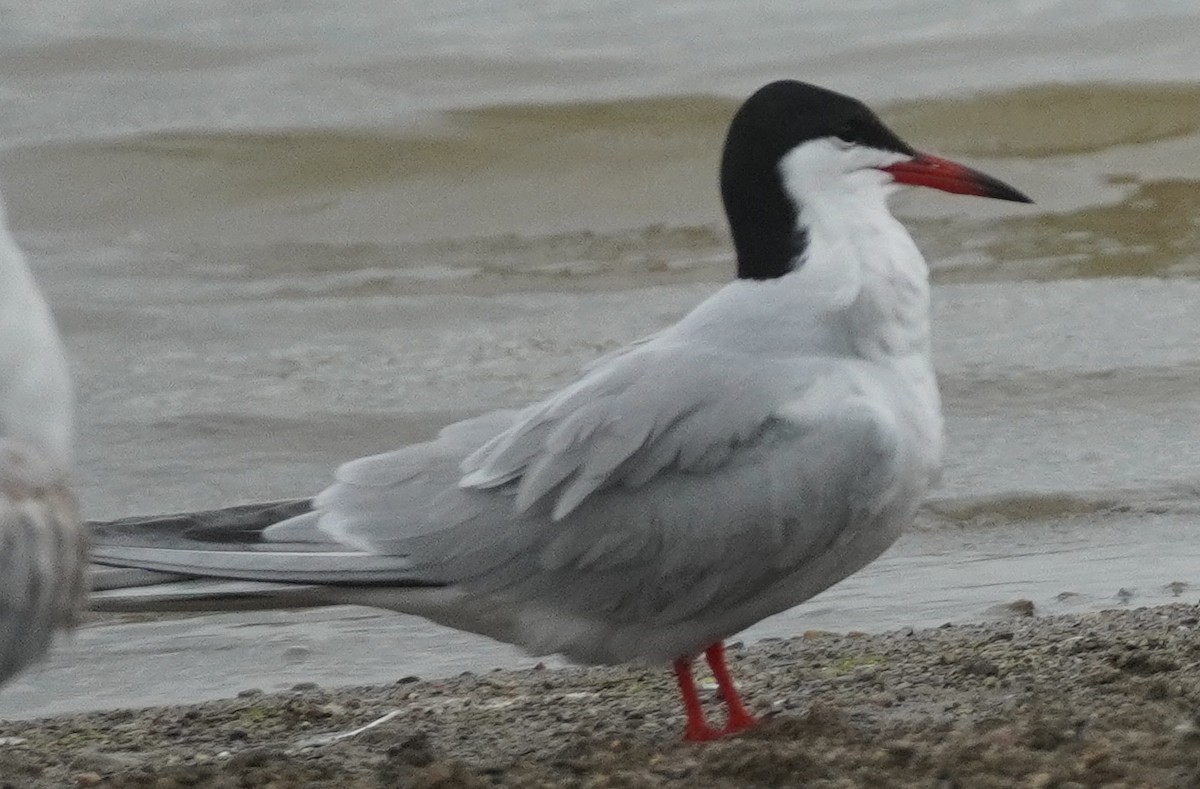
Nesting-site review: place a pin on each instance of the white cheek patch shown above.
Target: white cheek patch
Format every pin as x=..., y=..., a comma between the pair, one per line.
x=823, y=169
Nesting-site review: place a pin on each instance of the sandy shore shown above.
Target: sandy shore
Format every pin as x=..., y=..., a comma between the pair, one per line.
x=1107, y=700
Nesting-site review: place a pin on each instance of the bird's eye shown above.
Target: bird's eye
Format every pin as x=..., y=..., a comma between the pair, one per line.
x=849, y=132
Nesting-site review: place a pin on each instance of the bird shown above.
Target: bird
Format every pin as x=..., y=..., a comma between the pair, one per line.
x=773, y=441
x=43, y=545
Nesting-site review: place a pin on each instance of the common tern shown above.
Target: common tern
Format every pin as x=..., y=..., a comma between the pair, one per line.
x=43, y=554
x=772, y=442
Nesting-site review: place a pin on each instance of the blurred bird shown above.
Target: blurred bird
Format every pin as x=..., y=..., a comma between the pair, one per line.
x=772, y=442
x=43, y=551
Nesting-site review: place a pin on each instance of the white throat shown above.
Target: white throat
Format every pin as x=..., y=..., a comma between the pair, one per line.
x=857, y=252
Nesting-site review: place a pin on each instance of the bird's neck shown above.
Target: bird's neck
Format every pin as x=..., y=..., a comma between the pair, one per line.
x=865, y=263
x=858, y=287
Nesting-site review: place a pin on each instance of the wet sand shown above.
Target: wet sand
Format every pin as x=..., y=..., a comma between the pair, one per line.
x=1101, y=699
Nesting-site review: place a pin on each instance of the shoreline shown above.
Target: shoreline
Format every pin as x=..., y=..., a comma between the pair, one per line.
x=1109, y=698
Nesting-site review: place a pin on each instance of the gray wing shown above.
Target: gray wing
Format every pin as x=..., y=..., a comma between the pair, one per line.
x=626, y=422
x=668, y=469
x=620, y=424
x=43, y=559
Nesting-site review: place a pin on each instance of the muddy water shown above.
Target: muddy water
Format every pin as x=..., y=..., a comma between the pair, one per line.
x=276, y=242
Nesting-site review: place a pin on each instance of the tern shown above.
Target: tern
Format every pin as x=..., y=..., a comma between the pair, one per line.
x=772, y=442
x=43, y=551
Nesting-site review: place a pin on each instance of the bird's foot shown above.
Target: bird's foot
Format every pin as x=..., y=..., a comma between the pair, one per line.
x=739, y=721
x=702, y=732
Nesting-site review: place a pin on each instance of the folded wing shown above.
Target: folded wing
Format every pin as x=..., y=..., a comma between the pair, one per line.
x=668, y=471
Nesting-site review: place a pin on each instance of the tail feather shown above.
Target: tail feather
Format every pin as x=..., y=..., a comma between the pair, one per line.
x=346, y=567
x=230, y=558
x=209, y=595
x=103, y=578
x=231, y=526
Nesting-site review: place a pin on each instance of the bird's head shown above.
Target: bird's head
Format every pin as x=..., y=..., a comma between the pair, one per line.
x=793, y=146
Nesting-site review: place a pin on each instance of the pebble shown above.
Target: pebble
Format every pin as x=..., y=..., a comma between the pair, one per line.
x=1062, y=702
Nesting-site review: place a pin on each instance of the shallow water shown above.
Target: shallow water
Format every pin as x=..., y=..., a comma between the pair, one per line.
x=279, y=240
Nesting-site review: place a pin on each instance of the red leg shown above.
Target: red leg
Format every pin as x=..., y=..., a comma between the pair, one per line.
x=739, y=718
x=698, y=729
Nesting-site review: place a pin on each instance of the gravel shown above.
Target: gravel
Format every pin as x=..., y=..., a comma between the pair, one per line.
x=1108, y=699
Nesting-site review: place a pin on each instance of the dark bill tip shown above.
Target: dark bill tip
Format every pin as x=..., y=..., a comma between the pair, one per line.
x=948, y=176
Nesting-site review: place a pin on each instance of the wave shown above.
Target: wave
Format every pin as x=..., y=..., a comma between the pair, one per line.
x=1030, y=121
x=542, y=172
x=1051, y=120
x=1090, y=506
